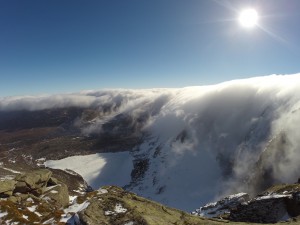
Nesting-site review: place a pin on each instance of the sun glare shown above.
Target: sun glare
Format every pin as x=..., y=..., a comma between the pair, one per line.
x=248, y=18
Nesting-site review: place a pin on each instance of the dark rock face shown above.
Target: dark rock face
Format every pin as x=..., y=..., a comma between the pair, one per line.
x=260, y=211
x=293, y=204
x=278, y=203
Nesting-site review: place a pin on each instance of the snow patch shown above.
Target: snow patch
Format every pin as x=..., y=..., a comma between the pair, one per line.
x=70, y=215
x=118, y=209
x=11, y=170
x=2, y=214
x=77, y=207
x=25, y=217
x=271, y=196
x=32, y=208
x=129, y=223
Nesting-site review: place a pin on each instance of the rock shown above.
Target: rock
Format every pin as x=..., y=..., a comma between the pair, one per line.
x=260, y=210
x=22, y=187
x=35, y=180
x=14, y=199
x=58, y=194
x=52, y=181
x=93, y=214
x=222, y=207
x=293, y=205
x=7, y=187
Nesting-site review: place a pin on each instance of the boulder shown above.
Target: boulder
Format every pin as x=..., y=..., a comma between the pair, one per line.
x=7, y=187
x=14, y=199
x=93, y=214
x=58, y=194
x=34, y=180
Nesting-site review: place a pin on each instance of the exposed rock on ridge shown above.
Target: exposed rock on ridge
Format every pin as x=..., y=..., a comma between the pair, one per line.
x=278, y=203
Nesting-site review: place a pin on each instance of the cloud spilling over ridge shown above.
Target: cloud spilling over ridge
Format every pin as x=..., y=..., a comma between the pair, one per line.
x=219, y=139
x=115, y=98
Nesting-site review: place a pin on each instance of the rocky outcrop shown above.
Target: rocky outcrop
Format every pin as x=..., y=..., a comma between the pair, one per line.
x=264, y=210
x=278, y=203
x=32, y=198
x=33, y=182
x=58, y=194
x=7, y=187
x=222, y=208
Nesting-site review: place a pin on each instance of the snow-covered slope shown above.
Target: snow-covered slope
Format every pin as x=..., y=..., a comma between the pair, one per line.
x=196, y=143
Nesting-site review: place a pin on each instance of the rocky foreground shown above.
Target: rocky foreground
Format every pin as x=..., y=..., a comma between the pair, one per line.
x=36, y=197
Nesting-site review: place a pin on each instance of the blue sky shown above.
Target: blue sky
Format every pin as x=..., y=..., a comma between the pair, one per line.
x=51, y=46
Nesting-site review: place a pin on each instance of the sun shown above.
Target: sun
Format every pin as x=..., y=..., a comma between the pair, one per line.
x=248, y=18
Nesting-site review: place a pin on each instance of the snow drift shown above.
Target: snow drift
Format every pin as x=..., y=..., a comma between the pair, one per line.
x=199, y=143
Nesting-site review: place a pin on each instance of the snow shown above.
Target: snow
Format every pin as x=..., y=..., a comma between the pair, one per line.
x=108, y=213
x=38, y=214
x=76, y=207
x=222, y=206
x=129, y=223
x=11, y=170
x=12, y=161
x=29, y=199
x=72, y=199
x=102, y=191
x=32, y=208
x=25, y=217
x=98, y=169
x=70, y=213
x=2, y=214
x=51, y=187
x=41, y=159
x=7, y=177
x=119, y=208
x=50, y=221
x=272, y=196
